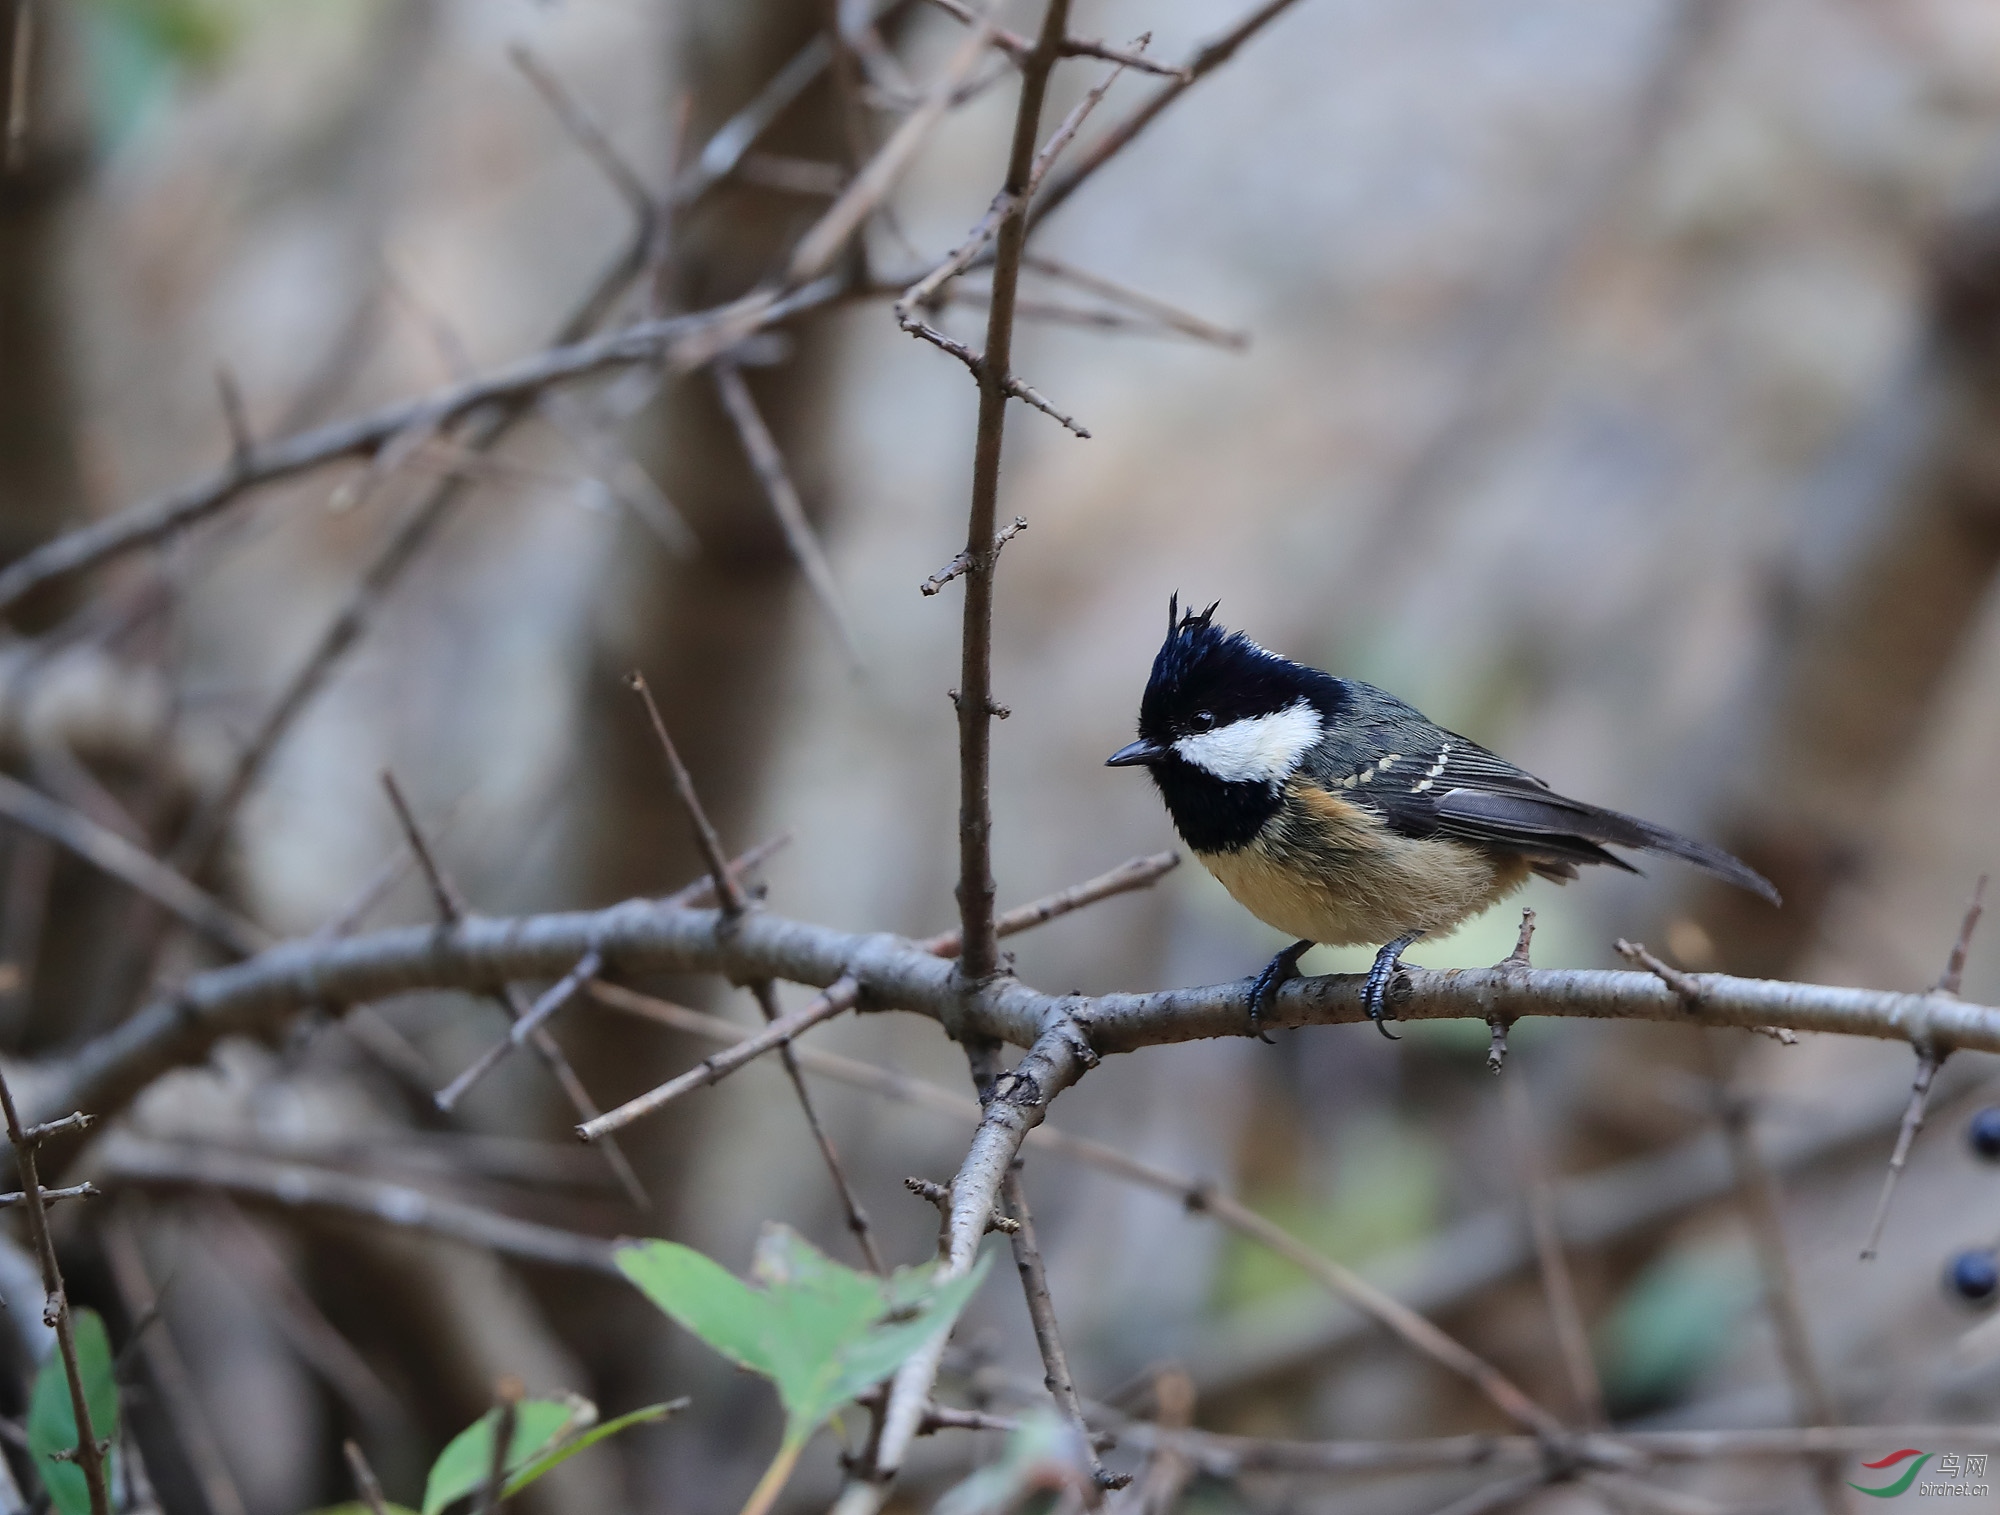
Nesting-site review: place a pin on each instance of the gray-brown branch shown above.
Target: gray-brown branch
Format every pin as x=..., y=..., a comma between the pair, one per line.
x=647, y=936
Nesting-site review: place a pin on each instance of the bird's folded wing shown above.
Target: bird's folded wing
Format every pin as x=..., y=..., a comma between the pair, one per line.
x=1464, y=791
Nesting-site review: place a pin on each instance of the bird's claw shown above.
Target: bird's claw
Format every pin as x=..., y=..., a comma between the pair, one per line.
x=1381, y=974
x=1264, y=988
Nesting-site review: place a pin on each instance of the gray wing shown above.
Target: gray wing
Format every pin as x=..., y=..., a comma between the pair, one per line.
x=1459, y=789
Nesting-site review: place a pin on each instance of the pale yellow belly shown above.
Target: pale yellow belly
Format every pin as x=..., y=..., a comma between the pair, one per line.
x=1327, y=877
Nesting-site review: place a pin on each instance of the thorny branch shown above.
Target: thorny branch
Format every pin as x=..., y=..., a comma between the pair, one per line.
x=1197, y=1196
x=644, y=936
x=451, y=911
x=979, y=957
x=735, y=905
x=845, y=993
x=91, y=1454
x=1930, y=1057
x=682, y=341
x=370, y=435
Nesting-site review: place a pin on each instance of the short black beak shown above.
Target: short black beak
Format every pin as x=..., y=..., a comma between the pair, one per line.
x=1134, y=754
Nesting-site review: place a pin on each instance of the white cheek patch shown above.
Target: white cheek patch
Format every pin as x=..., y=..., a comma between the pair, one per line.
x=1261, y=750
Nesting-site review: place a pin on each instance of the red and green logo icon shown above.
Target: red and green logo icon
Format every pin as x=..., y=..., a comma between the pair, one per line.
x=1902, y=1484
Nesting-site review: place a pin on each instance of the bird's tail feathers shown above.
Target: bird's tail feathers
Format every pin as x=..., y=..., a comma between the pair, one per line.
x=1709, y=859
x=1553, y=828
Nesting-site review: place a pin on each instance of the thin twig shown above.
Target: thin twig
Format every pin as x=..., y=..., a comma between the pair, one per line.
x=451, y=911
x=319, y=1343
x=1757, y=1197
x=734, y=906
x=585, y=132
x=1229, y=1457
x=1006, y=203
x=1931, y=1054
x=1498, y=1495
x=1928, y=1063
x=133, y=866
x=90, y=1452
x=1048, y=1335
x=1006, y=210
x=1358, y=1291
x=605, y=455
x=1057, y=313
x=1954, y=967
x=1017, y=47
x=123, y=1161
x=507, y=1396
x=1558, y=1287
x=1065, y=133
x=553, y=999
x=1026, y=393
x=845, y=992
x=366, y=1484
x=51, y=1196
x=1168, y=1469
x=177, y=1393
x=828, y=236
x=1171, y=316
x=959, y=564
x=769, y=465
x=1688, y=987
x=1206, y=60
x=242, y=440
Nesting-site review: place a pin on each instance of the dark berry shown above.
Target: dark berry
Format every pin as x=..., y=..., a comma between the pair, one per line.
x=1984, y=1133
x=1975, y=1276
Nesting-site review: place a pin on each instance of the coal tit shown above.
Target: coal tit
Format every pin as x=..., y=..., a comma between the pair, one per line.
x=1338, y=814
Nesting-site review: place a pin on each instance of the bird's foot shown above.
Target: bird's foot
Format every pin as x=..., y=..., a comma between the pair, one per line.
x=1264, y=989
x=1381, y=974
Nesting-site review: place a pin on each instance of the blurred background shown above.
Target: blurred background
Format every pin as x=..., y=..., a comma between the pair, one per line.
x=1614, y=379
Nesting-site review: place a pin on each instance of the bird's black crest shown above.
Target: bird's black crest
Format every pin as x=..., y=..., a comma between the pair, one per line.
x=1203, y=669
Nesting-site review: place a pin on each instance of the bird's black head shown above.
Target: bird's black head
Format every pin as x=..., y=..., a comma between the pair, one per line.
x=1222, y=725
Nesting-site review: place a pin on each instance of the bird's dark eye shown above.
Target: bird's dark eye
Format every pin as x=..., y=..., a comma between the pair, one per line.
x=1204, y=720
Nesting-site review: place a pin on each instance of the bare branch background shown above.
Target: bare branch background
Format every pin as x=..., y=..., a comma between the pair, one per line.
x=1610, y=380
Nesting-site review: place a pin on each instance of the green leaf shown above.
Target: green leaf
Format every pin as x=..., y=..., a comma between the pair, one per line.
x=52, y=1417
x=463, y=1466
x=821, y=1332
x=866, y=1362
x=563, y=1451
x=703, y=1296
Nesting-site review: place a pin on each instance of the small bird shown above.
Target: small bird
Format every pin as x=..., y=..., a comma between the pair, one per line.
x=1338, y=814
